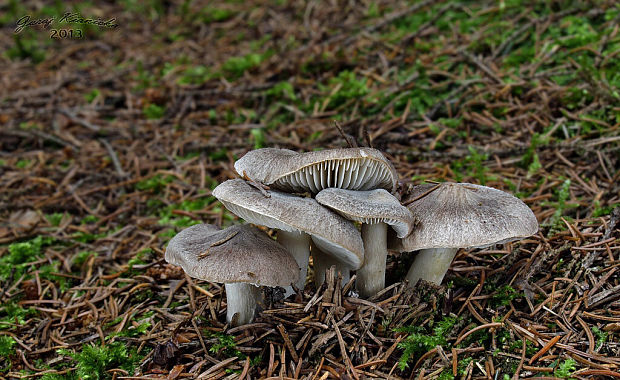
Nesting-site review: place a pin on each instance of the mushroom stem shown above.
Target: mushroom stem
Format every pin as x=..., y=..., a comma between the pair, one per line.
x=322, y=262
x=241, y=300
x=431, y=265
x=371, y=276
x=298, y=245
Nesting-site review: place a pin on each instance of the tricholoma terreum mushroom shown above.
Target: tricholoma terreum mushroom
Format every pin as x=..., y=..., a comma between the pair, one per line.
x=460, y=215
x=242, y=257
x=375, y=209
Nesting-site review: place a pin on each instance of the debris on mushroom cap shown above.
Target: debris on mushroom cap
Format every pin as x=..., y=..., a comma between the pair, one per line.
x=292, y=213
x=240, y=253
x=464, y=215
x=371, y=206
x=286, y=170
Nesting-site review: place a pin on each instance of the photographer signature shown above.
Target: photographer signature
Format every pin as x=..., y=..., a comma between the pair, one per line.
x=68, y=18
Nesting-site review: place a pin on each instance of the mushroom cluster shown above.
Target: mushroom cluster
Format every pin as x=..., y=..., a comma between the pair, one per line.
x=304, y=223
x=313, y=201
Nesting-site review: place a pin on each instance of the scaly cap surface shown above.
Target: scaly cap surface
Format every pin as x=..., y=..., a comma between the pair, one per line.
x=464, y=215
x=240, y=253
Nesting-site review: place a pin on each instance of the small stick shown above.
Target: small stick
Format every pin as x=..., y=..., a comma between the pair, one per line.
x=114, y=157
x=287, y=342
x=351, y=143
x=423, y=195
x=547, y=347
x=78, y=120
x=343, y=350
x=215, y=244
x=468, y=333
x=246, y=368
x=259, y=186
x=366, y=136
x=520, y=366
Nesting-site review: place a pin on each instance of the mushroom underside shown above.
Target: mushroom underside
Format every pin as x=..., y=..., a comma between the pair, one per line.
x=353, y=173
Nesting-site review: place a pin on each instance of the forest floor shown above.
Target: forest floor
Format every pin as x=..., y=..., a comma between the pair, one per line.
x=111, y=143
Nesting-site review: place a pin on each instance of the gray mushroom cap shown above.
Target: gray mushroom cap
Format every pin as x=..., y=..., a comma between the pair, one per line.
x=464, y=215
x=286, y=170
x=372, y=206
x=331, y=232
x=241, y=253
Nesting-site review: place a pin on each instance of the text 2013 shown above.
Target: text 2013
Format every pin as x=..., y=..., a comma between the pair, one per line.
x=66, y=33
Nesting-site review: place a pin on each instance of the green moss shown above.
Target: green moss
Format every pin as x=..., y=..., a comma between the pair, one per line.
x=22, y=164
x=26, y=47
x=20, y=254
x=282, y=90
x=7, y=349
x=601, y=211
x=6, y=345
x=234, y=67
x=89, y=219
x=48, y=272
x=12, y=314
x=55, y=218
x=350, y=87
x=195, y=75
x=504, y=295
x=601, y=336
x=141, y=258
x=565, y=369
x=561, y=204
x=93, y=362
x=168, y=218
x=145, y=79
x=153, y=111
x=155, y=183
x=419, y=340
x=224, y=345
x=80, y=258
x=472, y=165
x=212, y=14
x=517, y=346
x=92, y=95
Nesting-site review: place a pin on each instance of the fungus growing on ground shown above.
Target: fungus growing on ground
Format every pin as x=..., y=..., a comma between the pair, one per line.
x=242, y=257
x=375, y=209
x=295, y=218
x=460, y=215
x=286, y=170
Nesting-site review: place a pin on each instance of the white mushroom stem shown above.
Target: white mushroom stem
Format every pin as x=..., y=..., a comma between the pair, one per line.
x=298, y=245
x=241, y=301
x=371, y=276
x=322, y=262
x=431, y=265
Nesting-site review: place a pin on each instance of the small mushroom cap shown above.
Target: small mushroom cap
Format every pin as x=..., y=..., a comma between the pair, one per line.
x=464, y=215
x=241, y=253
x=287, y=212
x=286, y=170
x=371, y=206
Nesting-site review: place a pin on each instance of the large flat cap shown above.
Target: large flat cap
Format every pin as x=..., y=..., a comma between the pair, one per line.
x=287, y=212
x=286, y=170
x=370, y=207
x=464, y=215
x=240, y=253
